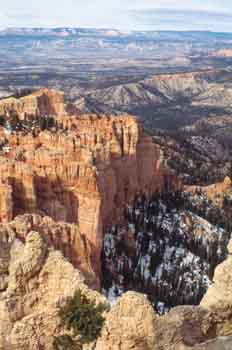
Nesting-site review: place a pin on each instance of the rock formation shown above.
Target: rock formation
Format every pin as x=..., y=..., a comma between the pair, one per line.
x=64, y=237
x=218, y=298
x=39, y=103
x=80, y=171
x=38, y=280
x=221, y=343
x=206, y=327
x=129, y=325
x=62, y=186
x=215, y=192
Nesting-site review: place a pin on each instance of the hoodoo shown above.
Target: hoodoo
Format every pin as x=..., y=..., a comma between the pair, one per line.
x=87, y=204
x=79, y=169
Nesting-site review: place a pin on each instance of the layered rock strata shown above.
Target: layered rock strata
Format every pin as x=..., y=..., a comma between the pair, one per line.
x=73, y=180
x=80, y=171
x=39, y=103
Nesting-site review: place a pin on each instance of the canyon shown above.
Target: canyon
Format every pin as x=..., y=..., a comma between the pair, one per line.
x=164, y=249
x=80, y=61
x=81, y=171
x=87, y=202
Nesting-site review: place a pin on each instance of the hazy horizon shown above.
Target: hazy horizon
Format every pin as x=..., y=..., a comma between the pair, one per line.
x=170, y=15
x=47, y=27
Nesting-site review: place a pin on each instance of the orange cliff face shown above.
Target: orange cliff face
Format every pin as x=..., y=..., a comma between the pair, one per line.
x=84, y=172
x=215, y=192
x=42, y=102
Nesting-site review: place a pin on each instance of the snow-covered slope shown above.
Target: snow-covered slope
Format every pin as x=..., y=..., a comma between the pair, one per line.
x=164, y=250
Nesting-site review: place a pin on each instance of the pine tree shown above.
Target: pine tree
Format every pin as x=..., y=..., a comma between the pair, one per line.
x=83, y=319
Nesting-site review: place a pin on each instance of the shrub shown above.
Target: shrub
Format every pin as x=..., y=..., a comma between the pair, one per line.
x=83, y=318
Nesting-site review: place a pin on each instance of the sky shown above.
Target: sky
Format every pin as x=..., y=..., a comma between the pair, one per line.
x=215, y=15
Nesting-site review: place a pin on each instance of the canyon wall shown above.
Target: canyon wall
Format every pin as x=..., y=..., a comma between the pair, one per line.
x=60, y=188
x=42, y=102
x=31, y=290
x=83, y=170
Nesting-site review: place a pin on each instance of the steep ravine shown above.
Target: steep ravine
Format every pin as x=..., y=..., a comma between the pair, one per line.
x=66, y=182
x=163, y=249
x=77, y=169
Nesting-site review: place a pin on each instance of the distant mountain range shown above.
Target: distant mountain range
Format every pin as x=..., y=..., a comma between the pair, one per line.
x=169, y=79
x=166, y=100
x=72, y=31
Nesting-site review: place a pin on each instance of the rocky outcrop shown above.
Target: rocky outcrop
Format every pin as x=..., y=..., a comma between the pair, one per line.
x=218, y=298
x=40, y=103
x=39, y=280
x=132, y=323
x=215, y=192
x=70, y=184
x=129, y=325
x=221, y=343
x=33, y=289
x=82, y=172
x=189, y=328
x=182, y=328
x=64, y=237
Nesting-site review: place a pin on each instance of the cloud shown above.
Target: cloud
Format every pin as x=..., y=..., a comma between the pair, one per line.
x=87, y=13
x=182, y=19
x=120, y=14
x=3, y=18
